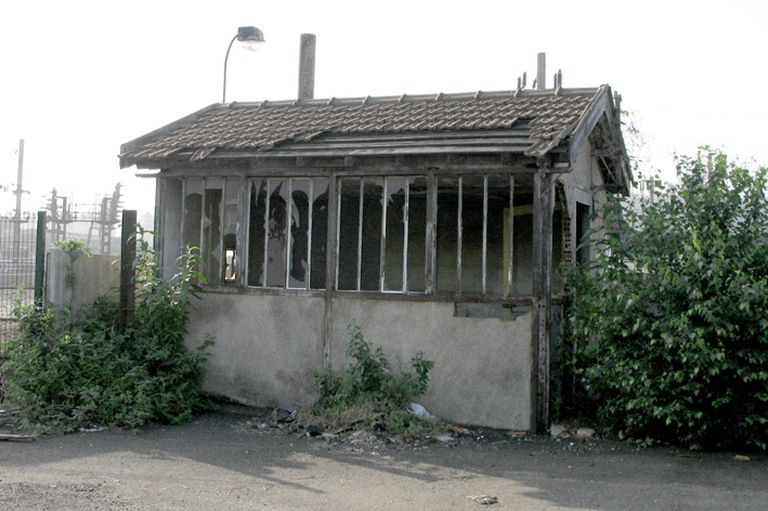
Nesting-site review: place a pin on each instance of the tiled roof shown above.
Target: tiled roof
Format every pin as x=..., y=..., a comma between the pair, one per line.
x=263, y=127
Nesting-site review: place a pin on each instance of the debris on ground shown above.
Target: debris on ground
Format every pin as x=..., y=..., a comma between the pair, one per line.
x=584, y=433
x=558, y=431
x=484, y=500
x=741, y=457
x=421, y=412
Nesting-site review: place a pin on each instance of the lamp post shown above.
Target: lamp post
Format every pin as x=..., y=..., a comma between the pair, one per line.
x=251, y=36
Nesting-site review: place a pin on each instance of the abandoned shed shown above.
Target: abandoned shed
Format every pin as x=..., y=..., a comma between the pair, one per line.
x=434, y=222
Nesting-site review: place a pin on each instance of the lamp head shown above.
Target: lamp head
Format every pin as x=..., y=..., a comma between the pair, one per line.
x=252, y=37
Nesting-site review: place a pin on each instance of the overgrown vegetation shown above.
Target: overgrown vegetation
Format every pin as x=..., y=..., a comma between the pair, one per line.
x=368, y=393
x=76, y=370
x=671, y=322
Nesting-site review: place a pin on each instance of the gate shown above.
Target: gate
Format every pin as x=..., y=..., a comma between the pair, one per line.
x=18, y=260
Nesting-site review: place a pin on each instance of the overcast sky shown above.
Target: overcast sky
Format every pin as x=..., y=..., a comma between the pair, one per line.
x=81, y=77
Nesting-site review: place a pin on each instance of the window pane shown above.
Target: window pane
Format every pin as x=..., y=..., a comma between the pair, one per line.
x=277, y=232
x=229, y=230
x=370, y=265
x=472, y=235
x=447, y=229
x=299, y=234
x=256, y=232
x=349, y=217
x=417, y=234
x=212, y=236
x=395, y=234
x=193, y=212
x=498, y=237
x=319, y=232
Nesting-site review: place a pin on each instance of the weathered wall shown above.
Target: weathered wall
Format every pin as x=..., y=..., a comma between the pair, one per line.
x=266, y=347
x=94, y=276
x=482, y=366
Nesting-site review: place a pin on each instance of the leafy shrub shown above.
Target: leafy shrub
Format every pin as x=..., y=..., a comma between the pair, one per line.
x=77, y=370
x=671, y=321
x=368, y=391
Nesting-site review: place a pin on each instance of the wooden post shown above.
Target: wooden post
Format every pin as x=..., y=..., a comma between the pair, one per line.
x=330, y=267
x=127, y=269
x=543, y=209
x=40, y=258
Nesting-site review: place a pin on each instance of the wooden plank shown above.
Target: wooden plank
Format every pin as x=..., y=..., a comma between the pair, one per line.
x=7, y=437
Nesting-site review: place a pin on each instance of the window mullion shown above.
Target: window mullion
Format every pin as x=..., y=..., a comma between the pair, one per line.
x=485, y=232
x=289, y=237
x=266, y=231
x=406, y=213
x=383, y=239
x=308, y=271
x=460, y=234
x=360, y=235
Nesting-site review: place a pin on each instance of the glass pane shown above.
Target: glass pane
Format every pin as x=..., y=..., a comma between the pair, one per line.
x=472, y=235
x=447, y=229
x=498, y=237
x=319, y=232
x=193, y=212
x=299, y=259
x=349, y=218
x=417, y=234
x=373, y=206
x=256, y=232
x=212, y=236
x=277, y=232
x=395, y=234
x=229, y=229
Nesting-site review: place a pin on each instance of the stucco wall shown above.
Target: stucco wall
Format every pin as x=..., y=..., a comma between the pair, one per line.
x=266, y=347
x=94, y=276
x=482, y=366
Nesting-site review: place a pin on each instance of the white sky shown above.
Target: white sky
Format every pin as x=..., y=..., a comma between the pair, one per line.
x=81, y=77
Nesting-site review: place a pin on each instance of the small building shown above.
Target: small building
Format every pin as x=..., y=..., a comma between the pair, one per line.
x=436, y=223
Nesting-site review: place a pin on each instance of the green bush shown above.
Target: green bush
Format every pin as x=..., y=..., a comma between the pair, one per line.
x=671, y=322
x=368, y=391
x=78, y=370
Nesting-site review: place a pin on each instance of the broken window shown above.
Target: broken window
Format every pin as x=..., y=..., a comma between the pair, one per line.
x=211, y=245
x=349, y=230
x=318, y=232
x=448, y=215
x=193, y=211
x=582, y=233
x=230, y=226
x=416, y=235
x=257, y=232
x=287, y=233
x=382, y=234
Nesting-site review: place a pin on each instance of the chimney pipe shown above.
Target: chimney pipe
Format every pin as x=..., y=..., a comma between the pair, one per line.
x=307, y=67
x=541, y=71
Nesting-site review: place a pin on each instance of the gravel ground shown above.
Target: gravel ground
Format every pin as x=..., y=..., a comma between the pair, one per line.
x=236, y=459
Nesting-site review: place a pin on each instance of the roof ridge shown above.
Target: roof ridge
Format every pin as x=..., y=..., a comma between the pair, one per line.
x=477, y=95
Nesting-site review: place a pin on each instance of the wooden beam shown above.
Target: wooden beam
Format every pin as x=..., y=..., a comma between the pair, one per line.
x=543, y=208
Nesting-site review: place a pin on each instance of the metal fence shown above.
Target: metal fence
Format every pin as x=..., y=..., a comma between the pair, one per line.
x=18, y=245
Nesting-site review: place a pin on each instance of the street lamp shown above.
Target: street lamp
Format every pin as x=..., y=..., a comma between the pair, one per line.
x=252, y=37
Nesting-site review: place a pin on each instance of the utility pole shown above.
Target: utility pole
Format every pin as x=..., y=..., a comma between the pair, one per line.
x=17, y=217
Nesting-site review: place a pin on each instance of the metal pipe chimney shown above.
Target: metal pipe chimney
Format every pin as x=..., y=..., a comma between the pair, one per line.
x=541, y=71
x=307, y=66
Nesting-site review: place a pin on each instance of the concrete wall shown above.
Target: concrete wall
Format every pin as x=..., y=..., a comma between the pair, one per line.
x=94, y=276
x=266, y=349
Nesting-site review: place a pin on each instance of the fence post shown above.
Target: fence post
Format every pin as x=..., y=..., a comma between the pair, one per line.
x=127, y=265
x=40, y=257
